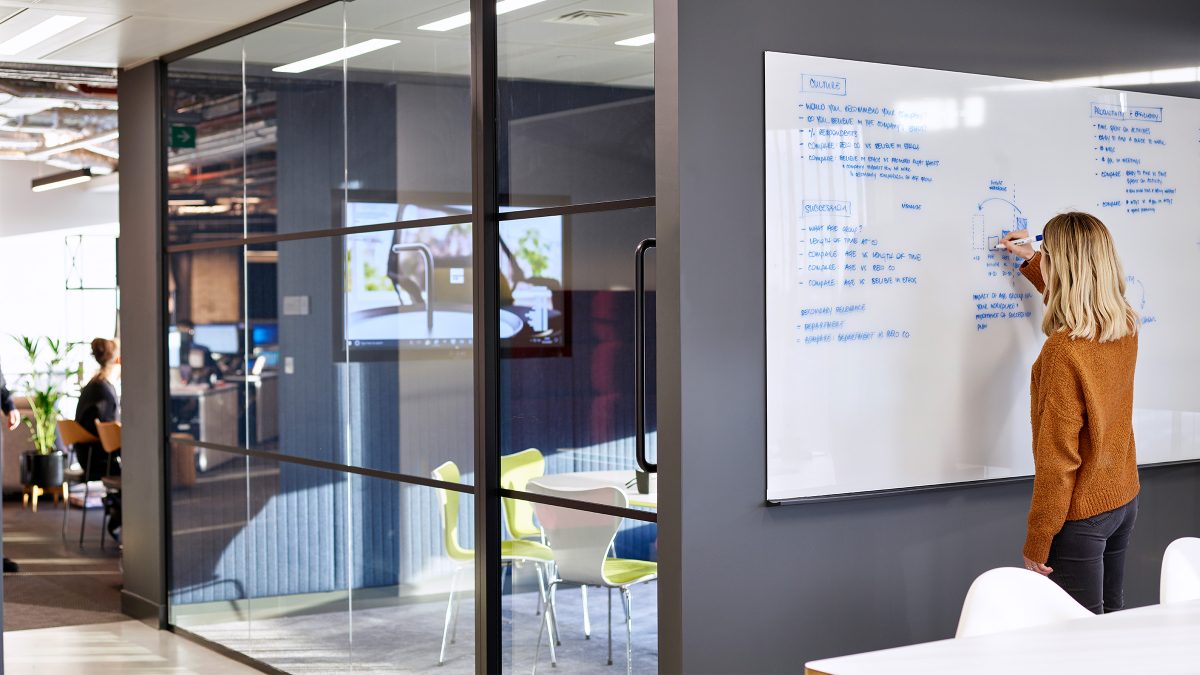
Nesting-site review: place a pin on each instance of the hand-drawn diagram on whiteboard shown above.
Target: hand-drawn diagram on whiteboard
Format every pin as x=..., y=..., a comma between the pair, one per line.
x=1001, y=294
x=898, y=339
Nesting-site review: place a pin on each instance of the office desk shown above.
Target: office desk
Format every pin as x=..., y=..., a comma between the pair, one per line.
x=209, y=414
x=1157, y=639
x=580, y=480
x=262, y=406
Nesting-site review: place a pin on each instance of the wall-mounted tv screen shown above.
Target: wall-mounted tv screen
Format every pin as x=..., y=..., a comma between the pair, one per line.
x=411, y=288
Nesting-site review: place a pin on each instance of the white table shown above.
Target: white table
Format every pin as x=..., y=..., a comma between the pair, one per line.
x=581, y=480
x=1156, y=639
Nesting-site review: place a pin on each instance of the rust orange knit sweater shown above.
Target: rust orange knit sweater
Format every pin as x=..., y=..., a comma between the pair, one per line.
x=1081, y=403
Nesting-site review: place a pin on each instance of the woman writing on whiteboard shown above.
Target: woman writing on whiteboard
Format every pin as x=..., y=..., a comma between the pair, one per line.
x=1085, y=483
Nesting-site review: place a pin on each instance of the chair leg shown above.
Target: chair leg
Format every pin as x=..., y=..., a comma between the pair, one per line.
x=552, y=613
x=454, y=623
x=103, y=518
x=87, y=489
x=547, y=618
x=587, y=620
x=67, y=510
x=541, y=590
x=543, y=597
x=610, y=626
x=628, y=602
x=449, y=611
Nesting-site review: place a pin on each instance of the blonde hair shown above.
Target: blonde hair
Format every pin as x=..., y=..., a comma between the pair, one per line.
x=1085, y=288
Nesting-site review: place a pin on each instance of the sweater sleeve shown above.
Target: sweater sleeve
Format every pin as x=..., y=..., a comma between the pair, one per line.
x=1059, y=420
x=1032, y=269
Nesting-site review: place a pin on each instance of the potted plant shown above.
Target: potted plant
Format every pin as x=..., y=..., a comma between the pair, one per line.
x=45, y=387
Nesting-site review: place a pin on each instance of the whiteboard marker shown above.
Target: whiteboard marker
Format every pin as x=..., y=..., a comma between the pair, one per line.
x=1026, y=240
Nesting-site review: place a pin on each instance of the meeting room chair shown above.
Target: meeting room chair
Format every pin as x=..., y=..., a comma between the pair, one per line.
x=1180, y=576
x=72, y=433
x=1009, y=598
x=516, y=470
x=514, y=552
x=110, y=440
x=581, y=540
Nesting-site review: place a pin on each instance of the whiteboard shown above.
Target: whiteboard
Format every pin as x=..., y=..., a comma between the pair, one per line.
x=898, y=344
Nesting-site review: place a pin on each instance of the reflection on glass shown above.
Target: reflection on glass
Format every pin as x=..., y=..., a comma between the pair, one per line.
x=601, y=609
x=257, y=146
x=577, y=407
x=576, y=102
x=313, y=570
x=209, y=149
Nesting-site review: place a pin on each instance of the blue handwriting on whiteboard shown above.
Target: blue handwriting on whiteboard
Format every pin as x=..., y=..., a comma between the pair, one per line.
x=826, y=207
x=1115, y=111
x=824, y=84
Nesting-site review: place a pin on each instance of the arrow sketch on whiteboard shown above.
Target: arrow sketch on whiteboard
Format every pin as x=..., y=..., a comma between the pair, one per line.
x=979, y=206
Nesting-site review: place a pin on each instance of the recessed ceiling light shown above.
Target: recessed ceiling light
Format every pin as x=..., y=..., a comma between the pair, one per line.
x=1165, y=76
x=464, y=19
x=638, y=41
x=334, y=56
x=59, y=180
x=39, y=33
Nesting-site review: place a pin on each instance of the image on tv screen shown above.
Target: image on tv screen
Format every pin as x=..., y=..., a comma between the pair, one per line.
x=412, y=288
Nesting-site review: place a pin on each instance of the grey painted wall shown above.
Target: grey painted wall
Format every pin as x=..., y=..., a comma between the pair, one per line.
x=139, y=275
x=764, y=589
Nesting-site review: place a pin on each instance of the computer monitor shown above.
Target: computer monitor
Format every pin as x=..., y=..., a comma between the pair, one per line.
x=220, y=338
x=271, y=357
x=264, y=334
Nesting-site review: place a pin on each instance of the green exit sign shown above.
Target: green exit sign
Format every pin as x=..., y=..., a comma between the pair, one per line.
x=183, y=136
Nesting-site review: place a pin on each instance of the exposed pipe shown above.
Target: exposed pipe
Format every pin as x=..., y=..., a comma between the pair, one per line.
x=74, y=145
x=56, y=119
x=44, y=72
x=60, y=93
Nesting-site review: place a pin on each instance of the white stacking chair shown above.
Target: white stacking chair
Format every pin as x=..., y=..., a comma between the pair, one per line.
x=581, y=541
x=1180, y=579
x=1009, y=598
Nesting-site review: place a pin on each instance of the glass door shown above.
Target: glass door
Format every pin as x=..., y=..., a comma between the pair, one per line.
x=576, y=185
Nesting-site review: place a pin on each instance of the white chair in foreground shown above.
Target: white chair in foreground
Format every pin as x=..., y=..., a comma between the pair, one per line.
x=1008, y=598
x=581, y=540
x=1180, y=580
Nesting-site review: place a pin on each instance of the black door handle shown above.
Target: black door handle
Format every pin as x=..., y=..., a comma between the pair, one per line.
x=639, y=354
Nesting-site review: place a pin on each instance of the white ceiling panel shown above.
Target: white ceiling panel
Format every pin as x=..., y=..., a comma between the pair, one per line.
x=535, y=42
x=134, y=40
x=20, y=22
x=229, y=13
x=137, y=30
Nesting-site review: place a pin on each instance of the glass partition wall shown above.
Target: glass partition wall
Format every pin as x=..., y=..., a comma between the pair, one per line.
x=406, y=257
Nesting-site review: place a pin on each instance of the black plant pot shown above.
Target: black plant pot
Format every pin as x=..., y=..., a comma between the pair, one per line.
x=44, y=471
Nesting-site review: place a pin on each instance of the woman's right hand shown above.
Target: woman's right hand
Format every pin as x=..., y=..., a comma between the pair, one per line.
x=1023, y=250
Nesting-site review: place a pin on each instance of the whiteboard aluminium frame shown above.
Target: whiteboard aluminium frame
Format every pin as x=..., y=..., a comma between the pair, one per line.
x=867, y=494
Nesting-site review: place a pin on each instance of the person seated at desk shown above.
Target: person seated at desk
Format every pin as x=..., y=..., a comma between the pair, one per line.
x=196, y=362
x=98, y=403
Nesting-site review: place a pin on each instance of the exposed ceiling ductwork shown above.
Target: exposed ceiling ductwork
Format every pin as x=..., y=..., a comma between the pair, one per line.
x=63, y=116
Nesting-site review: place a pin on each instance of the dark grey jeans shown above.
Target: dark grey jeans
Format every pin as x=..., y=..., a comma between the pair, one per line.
x=1088, y=558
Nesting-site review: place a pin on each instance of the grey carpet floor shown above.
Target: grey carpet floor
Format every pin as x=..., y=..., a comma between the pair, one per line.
x=60, y=584
x=406, y=638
